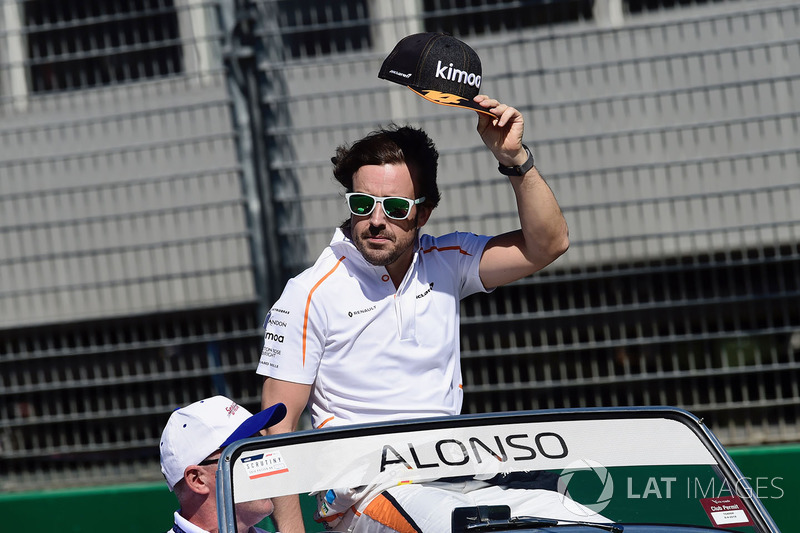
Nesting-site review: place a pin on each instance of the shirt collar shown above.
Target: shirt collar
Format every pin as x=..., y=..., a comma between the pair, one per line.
x=184, y=526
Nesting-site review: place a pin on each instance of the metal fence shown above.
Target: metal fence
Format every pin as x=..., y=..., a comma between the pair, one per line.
x=164, y=167
x=126, y=265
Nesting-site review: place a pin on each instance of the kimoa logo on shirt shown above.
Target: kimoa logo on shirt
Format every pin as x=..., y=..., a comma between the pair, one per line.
x=449, y=73
x=269, y=336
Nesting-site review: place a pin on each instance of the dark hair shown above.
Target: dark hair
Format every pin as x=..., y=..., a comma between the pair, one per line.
x=389, y=146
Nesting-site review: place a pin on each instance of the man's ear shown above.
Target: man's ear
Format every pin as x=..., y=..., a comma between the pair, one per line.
x=423, y=214
x=197, y=479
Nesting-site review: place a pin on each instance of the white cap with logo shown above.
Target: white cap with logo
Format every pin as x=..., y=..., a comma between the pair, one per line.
x=194, y=432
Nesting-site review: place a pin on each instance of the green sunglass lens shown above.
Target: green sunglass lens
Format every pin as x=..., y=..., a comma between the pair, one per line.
x=396, y=207
x=361, y=205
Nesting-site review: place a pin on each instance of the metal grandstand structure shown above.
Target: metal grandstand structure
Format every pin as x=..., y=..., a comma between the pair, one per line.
x=164, y=168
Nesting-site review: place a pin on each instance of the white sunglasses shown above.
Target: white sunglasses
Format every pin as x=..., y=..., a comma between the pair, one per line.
x=395, y=207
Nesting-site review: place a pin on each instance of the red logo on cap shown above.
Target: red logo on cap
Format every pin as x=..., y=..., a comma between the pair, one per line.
x=232, y=409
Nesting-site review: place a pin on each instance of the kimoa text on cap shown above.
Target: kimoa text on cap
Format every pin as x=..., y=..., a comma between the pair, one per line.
x=449, y=73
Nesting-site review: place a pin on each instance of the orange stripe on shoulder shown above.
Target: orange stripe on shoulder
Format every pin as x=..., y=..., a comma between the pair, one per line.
x=383, y=511
x=446, y=249
x=308, y=303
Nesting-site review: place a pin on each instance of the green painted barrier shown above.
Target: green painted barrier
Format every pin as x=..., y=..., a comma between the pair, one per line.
x=773, y=472
x=125, y=508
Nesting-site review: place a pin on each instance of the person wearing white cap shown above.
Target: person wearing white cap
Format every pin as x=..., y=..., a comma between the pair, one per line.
x=191, y=445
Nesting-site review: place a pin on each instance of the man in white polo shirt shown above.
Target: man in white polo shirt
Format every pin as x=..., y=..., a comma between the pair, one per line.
x=370, y=332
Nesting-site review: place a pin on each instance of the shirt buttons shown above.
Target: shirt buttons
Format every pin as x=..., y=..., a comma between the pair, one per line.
x=385, y=277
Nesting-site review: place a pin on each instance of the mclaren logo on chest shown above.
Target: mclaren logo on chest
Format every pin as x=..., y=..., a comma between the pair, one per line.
x=427, y=291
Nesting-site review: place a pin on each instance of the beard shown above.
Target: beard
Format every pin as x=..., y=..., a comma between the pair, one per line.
x=392, y=249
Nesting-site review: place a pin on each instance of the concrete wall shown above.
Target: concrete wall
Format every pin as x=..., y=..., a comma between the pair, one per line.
x=668, y=134
x=124, y=199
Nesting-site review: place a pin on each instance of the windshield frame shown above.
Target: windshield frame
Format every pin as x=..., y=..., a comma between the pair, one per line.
x=727, y=468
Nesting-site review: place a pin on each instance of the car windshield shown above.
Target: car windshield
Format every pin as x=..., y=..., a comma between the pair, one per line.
x=647, y=469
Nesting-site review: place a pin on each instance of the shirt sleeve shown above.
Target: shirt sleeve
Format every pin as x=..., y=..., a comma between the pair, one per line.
x=292, y=341
x=472, y=247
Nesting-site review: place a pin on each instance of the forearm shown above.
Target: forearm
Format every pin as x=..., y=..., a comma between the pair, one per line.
x=288, y=516
x=541, y=239
x=544, y=229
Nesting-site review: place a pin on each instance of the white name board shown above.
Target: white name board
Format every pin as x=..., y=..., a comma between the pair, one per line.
x=415, y=456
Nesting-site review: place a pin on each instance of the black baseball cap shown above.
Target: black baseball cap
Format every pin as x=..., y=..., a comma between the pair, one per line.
x=438, y=67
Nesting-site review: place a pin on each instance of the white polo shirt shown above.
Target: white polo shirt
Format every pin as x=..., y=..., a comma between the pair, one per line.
x=374, y=353
x=184, y=526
